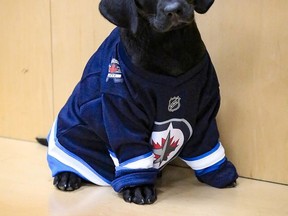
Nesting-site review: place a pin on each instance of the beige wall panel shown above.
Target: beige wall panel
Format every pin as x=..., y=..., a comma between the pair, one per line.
x=25, y=69
x=248, y=44
x=78, y=29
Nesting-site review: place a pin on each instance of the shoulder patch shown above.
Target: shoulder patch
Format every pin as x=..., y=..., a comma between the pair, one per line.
x=114, y=72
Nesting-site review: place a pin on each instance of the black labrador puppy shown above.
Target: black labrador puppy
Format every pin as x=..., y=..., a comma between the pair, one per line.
x=147, y=89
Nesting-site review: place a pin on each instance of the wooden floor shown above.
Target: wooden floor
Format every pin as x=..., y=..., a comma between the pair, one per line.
x=26, y=189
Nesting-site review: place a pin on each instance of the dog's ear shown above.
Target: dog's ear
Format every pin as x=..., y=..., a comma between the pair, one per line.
x=202, y=6
x=122, y=13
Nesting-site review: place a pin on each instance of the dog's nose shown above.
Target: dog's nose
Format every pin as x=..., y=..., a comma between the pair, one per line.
x=173, y=9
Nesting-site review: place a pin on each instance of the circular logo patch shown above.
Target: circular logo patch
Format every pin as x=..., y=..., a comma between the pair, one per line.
x=168, y=138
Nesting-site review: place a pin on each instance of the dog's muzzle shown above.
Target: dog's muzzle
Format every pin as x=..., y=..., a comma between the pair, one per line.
x=172, y=15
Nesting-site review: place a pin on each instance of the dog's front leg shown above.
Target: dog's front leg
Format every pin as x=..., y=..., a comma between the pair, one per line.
x=140, y=195
x=67, y=181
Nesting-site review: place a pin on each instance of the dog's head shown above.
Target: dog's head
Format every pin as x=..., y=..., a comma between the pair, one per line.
x=162, y=15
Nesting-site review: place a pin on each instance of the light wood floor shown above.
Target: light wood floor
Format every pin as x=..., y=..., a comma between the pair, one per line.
x=26, y=189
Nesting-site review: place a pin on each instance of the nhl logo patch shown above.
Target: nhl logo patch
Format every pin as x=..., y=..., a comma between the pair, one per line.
x=114, y=71
x=174, y=104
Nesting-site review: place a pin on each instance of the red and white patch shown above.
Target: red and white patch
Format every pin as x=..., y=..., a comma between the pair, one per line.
x=114, y=71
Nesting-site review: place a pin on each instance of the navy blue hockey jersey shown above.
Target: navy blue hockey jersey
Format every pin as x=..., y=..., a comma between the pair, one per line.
x=122, y=124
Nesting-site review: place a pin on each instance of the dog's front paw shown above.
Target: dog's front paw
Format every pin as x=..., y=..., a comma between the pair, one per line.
x=140, y=195
x=224, y=177
x=232, y=185
x=67, y=181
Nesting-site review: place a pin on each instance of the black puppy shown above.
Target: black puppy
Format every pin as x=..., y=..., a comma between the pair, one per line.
x=147, y=89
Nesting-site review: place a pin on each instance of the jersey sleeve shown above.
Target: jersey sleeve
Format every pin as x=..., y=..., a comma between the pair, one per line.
x=204, y=152
x=128, y=134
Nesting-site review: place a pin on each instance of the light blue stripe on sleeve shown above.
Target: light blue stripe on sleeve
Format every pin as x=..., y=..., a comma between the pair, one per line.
x=141, y=162
x=207, y=159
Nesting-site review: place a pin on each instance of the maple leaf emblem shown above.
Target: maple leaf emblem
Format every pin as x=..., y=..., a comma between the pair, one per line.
x=162, y=151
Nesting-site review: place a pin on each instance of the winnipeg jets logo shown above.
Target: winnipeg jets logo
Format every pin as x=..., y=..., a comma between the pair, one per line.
x=114, y=71
x=163, y=150
x=168, y=138
x=174, y=104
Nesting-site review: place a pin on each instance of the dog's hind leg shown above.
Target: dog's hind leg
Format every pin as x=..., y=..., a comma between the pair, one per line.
x=42, y=141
